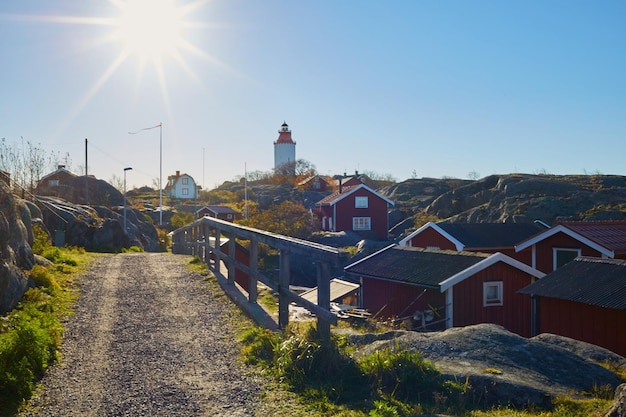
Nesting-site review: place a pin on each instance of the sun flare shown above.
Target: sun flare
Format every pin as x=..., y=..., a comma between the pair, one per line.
x=152, y=30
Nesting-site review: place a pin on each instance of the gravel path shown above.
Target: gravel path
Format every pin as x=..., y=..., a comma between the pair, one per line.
x=148, y=339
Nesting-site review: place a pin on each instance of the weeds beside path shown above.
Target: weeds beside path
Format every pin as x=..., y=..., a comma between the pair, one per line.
x=148, y=338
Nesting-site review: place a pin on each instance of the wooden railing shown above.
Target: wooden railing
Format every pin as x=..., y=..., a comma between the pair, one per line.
x=202, y=238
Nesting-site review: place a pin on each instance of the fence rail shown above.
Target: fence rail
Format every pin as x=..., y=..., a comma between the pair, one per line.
x=203, y=238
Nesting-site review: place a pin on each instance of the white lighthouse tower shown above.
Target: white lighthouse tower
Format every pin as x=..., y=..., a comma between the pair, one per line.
x=285, y=149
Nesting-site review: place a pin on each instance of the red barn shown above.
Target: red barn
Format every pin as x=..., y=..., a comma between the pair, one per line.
x=442, y=289
x=357, y=209
x=560, y=244
x=584, y=300
x=475, y=237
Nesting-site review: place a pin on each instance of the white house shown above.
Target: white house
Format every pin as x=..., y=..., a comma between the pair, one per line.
x=181, y=186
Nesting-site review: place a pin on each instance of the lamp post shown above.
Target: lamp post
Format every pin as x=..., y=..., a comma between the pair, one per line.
x=160, y=126
x=125, y=169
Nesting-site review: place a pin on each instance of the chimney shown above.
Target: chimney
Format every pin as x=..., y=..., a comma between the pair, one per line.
x=340, y=185
x=177, y=174
x=61, y=166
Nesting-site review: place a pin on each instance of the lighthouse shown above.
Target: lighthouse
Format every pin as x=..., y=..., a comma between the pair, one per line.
x=285, y=150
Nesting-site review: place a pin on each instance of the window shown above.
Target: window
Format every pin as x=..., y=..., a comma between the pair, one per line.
x=361, y=223
x=53, y=183
x=360, y=202
x=561, y=256
x=185, y=180
x=229, y=216
x=185, y=191
x=492, y=293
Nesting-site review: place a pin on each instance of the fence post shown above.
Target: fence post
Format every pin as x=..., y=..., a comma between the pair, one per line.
x=323, y=298
x=283, y=289
x=252, y=279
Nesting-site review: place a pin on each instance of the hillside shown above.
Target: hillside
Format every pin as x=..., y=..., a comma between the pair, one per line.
x=512, y=197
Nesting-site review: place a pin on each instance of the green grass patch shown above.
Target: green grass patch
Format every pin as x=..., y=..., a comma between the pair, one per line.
x=30, y=335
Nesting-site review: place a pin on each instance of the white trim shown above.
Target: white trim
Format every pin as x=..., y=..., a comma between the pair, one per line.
x=458, y=244
x=353, y=190
x=363, y=200
x=369, y=256
x=477, y=267
x=556, y=248
x=449, y=308
x=500, y=293
x=561, y=228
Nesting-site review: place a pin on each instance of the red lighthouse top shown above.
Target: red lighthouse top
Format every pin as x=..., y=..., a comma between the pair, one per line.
x=284, y=134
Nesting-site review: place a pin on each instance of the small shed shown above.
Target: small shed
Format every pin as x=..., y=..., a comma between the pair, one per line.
x=218, y=212
x=584, y=300
x=341, y=292
x=445, y=288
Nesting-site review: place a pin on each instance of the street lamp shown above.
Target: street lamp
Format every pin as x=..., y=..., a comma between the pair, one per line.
x=125, y=169
x=160, y=126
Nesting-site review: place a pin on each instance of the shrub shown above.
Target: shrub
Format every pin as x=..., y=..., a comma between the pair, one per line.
x=43, y=278
x=259, y=346
x=402, y=373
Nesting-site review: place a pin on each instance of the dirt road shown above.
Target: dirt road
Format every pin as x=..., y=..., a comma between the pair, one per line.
x=148, y=339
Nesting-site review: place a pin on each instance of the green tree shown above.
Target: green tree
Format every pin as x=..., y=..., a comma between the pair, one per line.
x=287, y=218
x=182, y=219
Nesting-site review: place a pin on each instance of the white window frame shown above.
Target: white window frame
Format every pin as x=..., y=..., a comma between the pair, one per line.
x=361, y=202
x=498, y=300
x=185, y=180
x=361, y=223
x=556, y=250
x=53, y=183
x=185, y=191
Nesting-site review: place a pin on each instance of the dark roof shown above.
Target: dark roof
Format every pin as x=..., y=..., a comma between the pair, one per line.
x=610, y=234
x=416, y=266
x=218, y=209
x=491, y=235
x=595, y=281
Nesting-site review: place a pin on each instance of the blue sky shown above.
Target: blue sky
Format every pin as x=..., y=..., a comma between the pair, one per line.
x=404, y=88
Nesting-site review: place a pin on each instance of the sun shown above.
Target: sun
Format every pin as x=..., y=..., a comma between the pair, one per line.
x=151, y=30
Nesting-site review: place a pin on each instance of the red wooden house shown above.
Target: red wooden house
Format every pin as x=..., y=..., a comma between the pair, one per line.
x=475, y=237
x=54, y=182
x=443, y=289
x=585, y=300
x=218, y=212
x=357, y=209
x=315, y=183
x=556, y=246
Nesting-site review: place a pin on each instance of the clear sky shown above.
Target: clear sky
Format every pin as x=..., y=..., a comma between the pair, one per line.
x=409, y=88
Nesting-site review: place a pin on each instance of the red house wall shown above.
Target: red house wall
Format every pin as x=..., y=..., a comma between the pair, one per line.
x=513, y=314
x=394, y=299
x=242, y=256
x=376, y=210
x=597, y=325
x=545, y=261
x=430, y=237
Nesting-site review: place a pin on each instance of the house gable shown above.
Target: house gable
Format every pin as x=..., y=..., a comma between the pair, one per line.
x=357, y=209
x=432, y=237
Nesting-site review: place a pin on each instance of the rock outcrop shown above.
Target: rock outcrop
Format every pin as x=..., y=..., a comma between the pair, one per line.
x=502, y=367
x=619, y=407
x=16, y=255
x=97, y=228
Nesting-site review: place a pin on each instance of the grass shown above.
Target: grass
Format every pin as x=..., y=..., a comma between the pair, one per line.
x=306, y=376
x=30, y=335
